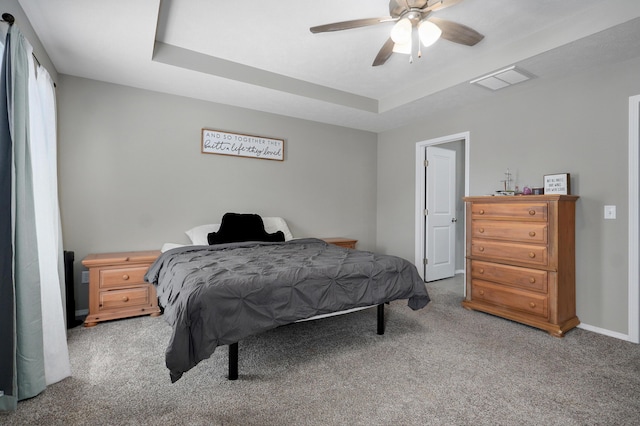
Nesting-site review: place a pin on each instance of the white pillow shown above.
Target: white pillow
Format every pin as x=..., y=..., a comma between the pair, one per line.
x=275, y=224
x=198, y=235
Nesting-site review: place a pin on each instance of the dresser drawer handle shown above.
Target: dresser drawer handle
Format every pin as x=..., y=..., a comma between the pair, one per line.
x=481, y=248
x=125, y=277
x=481, y=270
x=532, y=254
x=481, y=212
x=481, y=292
x=532, y=305
x=481, y=230
x=532, y=280
x=532, y=234
x=125, y=298
x=532, y=212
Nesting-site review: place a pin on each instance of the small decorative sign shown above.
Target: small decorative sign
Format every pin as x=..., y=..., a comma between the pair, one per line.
x=226, y=143
x=557, y=184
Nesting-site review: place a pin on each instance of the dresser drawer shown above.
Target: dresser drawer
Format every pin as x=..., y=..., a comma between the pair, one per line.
x=525, y=278
x=531, y=303
x=130, y=297
x=526, y=210
x=534, y=232
x=510, y=252
x=118, y=277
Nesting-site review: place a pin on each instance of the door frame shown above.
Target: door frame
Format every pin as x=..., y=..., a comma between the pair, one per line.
x=634, y=220
x=420, y=196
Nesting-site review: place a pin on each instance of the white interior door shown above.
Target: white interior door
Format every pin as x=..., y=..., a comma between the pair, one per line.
x=440, y=214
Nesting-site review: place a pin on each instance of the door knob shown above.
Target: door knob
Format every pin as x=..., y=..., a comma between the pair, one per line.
x=454, y=220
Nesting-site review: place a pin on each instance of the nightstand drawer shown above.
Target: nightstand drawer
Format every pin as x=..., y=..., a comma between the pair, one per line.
x=118, y=277
x=525, y=278
x=534, y=232
x=529, y=211
x=131, y=297
x=531, y=303
x=522, y=253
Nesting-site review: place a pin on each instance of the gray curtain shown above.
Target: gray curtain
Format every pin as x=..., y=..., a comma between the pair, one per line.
x=22, y=373
x=7, y=308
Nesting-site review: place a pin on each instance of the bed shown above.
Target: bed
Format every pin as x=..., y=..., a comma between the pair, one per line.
x=218, y=294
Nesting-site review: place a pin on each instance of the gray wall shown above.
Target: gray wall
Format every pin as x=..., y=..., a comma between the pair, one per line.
x=578, y=125
x=132, y=176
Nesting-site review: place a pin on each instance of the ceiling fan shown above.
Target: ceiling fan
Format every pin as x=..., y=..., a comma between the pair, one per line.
x=409, y=14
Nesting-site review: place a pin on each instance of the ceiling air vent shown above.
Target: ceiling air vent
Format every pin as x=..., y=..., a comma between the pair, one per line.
x=503, y=78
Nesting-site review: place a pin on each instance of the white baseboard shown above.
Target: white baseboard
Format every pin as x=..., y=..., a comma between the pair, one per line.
x=605, y=332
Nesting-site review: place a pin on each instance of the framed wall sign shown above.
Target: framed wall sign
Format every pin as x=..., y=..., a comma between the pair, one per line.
x=239, y=145
x=557, y=184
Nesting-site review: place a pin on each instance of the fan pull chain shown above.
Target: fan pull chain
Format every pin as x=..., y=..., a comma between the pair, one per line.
x=419, y=45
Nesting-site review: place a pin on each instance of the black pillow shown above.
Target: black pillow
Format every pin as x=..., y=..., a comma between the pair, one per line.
x=237, y=227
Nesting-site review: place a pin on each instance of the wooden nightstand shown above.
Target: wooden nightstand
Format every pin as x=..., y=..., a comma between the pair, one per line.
x=117, y=288
x=342, y=242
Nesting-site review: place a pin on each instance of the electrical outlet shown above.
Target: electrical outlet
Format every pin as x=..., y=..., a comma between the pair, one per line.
x=609, y=212
x=85, y=277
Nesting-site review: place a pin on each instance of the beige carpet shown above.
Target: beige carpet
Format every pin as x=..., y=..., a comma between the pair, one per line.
x=442, y=365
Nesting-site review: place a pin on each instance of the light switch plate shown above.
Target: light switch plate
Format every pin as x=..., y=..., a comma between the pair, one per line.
x=609, y=212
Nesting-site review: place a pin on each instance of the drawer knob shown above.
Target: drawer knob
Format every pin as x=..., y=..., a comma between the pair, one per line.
x=532, y=280
x=125, y=277
x=125, y=298
x=481, y=248
x=481, y=211
x=532, y=234
x=481, y=270
x=481, y=292
x=532, y=212
x=481, y=230
x=532, y=305
x=532, y=254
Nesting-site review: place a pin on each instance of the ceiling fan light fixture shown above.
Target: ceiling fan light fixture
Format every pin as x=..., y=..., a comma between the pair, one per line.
x=401, y=31
x=403, y=47
x=429, y=33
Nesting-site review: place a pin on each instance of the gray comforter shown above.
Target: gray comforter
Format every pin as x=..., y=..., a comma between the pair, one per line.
x=218, y=295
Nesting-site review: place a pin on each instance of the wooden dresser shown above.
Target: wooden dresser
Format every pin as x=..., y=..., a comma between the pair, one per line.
x=117, y=288
x=521, y=259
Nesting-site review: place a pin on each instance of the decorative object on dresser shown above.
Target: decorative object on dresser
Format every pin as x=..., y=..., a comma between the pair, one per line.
x=557, y=184
x=521, y=259
x=117, y=288
x=341, y=241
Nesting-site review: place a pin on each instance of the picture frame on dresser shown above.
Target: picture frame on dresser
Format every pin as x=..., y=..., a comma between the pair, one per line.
x=559, y=183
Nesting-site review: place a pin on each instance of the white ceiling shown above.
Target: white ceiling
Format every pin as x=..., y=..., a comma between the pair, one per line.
x=260, y=54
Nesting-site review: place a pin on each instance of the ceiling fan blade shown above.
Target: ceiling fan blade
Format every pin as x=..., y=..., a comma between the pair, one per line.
x=347, y=25
x=457, y=33
x=398, y=7
x=434, y=5
x=384, y=53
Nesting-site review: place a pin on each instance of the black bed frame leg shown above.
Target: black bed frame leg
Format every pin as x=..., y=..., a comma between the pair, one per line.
x=233, y=361
x=381, y=318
